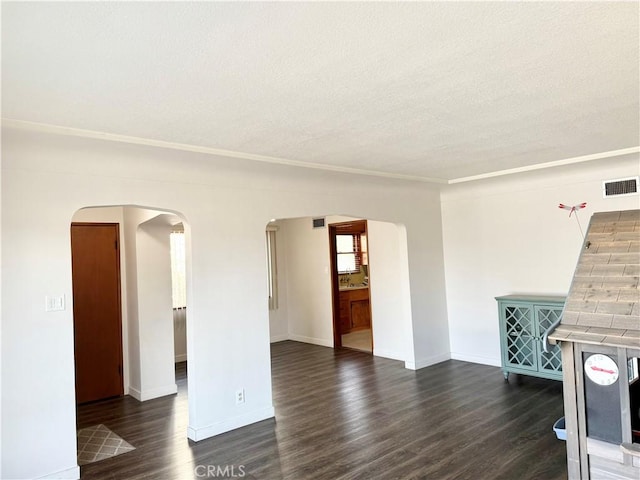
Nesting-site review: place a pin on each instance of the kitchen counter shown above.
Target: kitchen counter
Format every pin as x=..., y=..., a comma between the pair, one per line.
x=355, y=287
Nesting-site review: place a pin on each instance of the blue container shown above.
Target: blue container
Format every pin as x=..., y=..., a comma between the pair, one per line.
x=560, y=429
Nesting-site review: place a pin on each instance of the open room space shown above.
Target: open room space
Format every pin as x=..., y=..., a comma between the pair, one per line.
x=343, y=415
x=329, y=240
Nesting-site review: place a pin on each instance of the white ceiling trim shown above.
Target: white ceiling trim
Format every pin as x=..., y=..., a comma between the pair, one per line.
x=78, y=132
x=555, y=163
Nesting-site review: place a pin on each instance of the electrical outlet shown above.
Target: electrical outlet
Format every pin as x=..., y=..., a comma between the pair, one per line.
x=239, y=396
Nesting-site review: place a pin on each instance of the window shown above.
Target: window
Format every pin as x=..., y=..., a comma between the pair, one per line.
x=349, y=254
x=178, y=269
x=272, y=269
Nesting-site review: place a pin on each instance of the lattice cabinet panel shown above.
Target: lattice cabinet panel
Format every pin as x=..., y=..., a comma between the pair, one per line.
x=523, y=321
x=551, y=360
x=520, y=344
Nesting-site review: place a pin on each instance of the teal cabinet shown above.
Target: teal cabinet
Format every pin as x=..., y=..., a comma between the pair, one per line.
x=523, y=321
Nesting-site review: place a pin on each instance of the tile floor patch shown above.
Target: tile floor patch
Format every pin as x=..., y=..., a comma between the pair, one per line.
x=98, y=442
x=359, y=340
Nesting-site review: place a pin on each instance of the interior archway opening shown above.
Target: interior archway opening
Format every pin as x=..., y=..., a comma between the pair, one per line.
x=147, y=338
x=309, y=286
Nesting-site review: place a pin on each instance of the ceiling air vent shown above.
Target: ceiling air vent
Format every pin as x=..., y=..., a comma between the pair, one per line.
x=318, y=223
x=622, y=186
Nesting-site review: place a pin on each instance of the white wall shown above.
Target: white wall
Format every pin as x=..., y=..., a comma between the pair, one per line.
x=430, y=337
x=180, y=335
x=308, y=281
x=38, y=391
x=507, y=235
x=155, y=309
x=389, y=290
x=132, y=217
x=278, y=318
x=149, y=328
x=46, y=178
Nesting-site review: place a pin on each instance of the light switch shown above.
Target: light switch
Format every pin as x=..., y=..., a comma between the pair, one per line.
x=54, y=304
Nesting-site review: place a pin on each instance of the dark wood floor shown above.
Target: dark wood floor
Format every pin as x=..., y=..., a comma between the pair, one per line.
x=348, y=415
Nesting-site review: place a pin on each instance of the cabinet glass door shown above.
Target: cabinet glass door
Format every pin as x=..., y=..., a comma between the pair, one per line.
x=551, y=361
x=520, y=337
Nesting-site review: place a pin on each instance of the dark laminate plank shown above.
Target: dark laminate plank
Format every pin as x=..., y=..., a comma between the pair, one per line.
x=348, y=415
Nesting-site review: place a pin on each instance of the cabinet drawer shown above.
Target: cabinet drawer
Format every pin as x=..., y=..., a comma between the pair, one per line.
x=359, y=294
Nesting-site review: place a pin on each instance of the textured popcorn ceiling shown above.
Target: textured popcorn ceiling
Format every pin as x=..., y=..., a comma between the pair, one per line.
x=432, y=90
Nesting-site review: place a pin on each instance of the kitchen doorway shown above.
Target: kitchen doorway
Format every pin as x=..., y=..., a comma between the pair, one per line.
x=307, y=299
x=352, y=325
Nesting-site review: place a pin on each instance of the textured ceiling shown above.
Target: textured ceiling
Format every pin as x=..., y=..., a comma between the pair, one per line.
x=431, y=90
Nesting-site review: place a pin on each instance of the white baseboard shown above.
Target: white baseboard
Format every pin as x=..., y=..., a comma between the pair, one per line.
x=72, y=473
x=476, y=359
x=315, y=341
x=135, y=393
x=181, y=358
x=388, y=354
x=426, y=362
x=145, y=395
x=197, y=434
x=279, y=338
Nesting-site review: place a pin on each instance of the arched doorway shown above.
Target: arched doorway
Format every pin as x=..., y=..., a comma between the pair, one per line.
x=305, y=307
x=146, y=310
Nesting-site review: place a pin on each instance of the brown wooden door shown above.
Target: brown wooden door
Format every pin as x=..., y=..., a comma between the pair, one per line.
x=97, y=319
